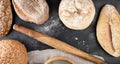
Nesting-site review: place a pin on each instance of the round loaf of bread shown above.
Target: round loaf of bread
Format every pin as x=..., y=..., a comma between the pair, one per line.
x=12, y=52
x=35, y=11
x=5, y=17
x=77, y=14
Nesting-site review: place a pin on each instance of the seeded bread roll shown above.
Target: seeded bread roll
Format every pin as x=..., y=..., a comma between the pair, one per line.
x=35, y=11
x=76, y=14
x=12, y=52
x=108, y=30
x=5, y=17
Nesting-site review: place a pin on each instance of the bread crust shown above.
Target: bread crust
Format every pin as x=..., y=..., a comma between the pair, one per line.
x=12, y=52
x=5, y=17
x=108, y=30
x=76, y=14
x=57, y=58
x=35, y=11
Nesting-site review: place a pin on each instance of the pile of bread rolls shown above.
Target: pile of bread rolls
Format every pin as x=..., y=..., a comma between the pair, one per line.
x=75, y=14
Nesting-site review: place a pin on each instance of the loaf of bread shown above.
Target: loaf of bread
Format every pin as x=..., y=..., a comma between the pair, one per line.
x=108, y=30
x=5, y=17
x=12, y=52
x=76, y=14
x=35, y=11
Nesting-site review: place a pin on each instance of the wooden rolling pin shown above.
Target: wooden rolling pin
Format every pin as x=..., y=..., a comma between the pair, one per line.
x=55, y=43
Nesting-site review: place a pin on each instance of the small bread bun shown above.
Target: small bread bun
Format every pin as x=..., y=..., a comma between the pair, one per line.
x=5, y=17
x=35, y=11
x=76, y=14
x=12, y=52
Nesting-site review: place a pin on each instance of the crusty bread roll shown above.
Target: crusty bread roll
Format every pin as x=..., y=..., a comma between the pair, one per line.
x=5, y=17
x=59, y=60
x=76, y=14
x=12, y=52
x=108, y=30
x=35, y=11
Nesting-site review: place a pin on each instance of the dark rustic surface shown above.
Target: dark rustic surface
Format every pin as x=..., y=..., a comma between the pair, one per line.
x=83, y=39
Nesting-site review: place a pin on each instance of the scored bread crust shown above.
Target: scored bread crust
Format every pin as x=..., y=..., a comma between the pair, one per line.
x=108, y=30
x=76, y=14
x=12, y=52
x=35, y=11
x=5, y=17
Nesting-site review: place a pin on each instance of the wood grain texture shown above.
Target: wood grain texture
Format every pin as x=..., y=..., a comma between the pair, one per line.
x=55, y=43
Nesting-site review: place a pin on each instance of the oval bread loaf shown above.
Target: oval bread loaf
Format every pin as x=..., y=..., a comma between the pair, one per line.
x=5, y=17
x=76, y=14
x=108, y=30
x=35, y=11
x=12, y=52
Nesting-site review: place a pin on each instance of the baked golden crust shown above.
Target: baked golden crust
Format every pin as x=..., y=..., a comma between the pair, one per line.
x=76, y=14
x=35, y=11
x=12, y=52
x=108, y=30
x=5, y=17
x=59, y=58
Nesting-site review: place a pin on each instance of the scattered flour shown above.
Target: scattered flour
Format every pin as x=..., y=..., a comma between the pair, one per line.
x=39, y=57
x=84, y=44
x=52, y=27
x=76, y=38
